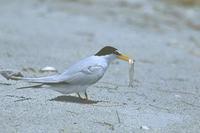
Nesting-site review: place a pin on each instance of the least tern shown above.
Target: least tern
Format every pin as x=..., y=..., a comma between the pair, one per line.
x=78, y=77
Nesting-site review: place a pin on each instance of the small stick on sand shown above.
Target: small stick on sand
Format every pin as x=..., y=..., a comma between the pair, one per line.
x=118, y=118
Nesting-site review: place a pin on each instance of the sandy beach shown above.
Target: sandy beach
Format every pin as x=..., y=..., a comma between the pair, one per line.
x=162, y=37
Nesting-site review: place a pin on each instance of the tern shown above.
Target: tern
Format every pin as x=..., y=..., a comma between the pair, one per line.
x=78, y=77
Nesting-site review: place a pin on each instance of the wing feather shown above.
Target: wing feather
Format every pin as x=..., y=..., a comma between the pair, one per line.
x=85, y=76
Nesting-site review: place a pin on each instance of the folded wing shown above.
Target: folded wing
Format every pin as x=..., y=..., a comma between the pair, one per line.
x=87, y=75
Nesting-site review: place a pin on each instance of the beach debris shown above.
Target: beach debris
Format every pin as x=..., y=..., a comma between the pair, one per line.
x=177, y=96
x=106, y=124
x=29, y=69
x=19, y=98
x=144, y=127
x=118, y=118
x=48, y=69
x=8, y=74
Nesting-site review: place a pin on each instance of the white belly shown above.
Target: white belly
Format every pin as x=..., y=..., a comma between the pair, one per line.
x=67, y=89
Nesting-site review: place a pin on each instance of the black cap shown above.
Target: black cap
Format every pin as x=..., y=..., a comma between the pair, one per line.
x=107, y=50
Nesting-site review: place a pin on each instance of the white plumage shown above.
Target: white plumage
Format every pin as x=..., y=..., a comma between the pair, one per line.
x=78, y=77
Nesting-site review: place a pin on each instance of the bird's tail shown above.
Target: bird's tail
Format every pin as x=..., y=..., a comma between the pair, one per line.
x=31, y=86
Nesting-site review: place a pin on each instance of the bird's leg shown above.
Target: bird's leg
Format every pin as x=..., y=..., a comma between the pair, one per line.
x=79, y=95
x=86, y=96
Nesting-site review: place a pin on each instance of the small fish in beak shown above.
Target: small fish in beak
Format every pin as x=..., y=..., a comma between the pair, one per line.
x=131, y=69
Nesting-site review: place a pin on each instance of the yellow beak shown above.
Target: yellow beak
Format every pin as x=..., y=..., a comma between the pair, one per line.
x=123, y=57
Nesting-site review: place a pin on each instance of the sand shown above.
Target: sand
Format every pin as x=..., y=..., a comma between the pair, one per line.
x=162, y=38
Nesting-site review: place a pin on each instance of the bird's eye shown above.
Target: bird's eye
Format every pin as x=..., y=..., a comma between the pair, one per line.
x=116, y=53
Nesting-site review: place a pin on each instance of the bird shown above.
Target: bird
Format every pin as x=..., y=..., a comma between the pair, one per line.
x=79, y=76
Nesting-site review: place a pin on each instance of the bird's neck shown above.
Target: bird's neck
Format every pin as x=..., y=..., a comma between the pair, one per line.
x=109, y=58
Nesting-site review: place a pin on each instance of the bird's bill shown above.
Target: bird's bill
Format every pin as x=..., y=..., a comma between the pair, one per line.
x=123, y=57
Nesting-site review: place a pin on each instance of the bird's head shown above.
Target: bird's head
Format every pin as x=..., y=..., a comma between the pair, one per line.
x=112, y=53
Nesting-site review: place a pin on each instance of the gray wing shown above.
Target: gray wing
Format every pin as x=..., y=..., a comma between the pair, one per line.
x=47, y=79
x=88, y=75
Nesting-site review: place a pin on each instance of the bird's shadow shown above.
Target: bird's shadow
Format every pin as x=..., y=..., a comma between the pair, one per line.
x=73, y=99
